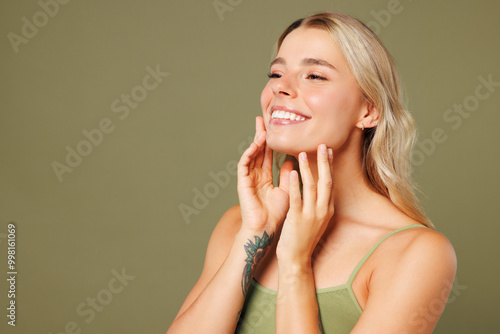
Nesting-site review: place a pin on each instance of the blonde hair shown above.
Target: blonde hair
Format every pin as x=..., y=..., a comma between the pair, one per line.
x=386, y=147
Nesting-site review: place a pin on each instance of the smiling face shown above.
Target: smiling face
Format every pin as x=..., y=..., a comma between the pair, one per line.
x=311, y=80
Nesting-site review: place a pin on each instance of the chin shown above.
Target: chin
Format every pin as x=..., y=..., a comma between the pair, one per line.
x=285, y=148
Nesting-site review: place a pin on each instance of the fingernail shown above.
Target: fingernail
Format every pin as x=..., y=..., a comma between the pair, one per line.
x=330, y=153
x=293, y=174
x=322, y=148
x=303, y=156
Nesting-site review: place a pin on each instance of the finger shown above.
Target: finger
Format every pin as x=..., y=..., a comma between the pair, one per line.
x=248, y=157
x=259, y=129
x=255, y=137
x=261, y=155
x=286, y=168
x=332, y=199
x=267, y=163
x=256, y=128
x=294, y=193
x=259, y=126
x=261, y=122
x=325, y=181
x=260, y=141
x=308, y=184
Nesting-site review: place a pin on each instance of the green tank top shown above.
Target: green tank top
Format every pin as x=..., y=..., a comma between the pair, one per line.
x=338, y=308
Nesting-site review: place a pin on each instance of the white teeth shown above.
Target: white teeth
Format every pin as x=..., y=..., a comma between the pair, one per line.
x=281, y=114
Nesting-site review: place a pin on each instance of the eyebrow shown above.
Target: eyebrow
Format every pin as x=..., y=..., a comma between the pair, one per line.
x=305, y=62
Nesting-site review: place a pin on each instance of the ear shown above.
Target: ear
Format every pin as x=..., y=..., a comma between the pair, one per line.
x=369, y=116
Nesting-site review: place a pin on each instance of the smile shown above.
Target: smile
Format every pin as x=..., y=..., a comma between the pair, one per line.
x=281, y=114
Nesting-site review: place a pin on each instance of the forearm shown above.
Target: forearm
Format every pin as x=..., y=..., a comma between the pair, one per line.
x=297, y=307
x=216, y=310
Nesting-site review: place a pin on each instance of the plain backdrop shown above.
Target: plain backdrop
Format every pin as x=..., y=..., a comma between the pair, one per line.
x=100, y=157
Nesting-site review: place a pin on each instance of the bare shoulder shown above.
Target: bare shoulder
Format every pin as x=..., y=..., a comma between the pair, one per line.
x=219, y=245
x=426, y=244
x=415, y=244
x=421, y=250
x=414, y=269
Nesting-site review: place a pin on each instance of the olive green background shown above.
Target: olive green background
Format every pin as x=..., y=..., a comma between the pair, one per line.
x=119, y=208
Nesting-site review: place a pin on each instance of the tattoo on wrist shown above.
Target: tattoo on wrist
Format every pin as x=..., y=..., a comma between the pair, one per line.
x=255, y=252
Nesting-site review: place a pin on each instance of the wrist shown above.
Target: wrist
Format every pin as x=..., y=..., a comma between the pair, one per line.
x=293, y=275
x=251, y=230
x=260, y=224
x=251, y=246
x=290, y=257
x=296, y=267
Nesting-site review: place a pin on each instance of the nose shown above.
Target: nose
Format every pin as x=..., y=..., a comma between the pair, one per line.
x=284, y=86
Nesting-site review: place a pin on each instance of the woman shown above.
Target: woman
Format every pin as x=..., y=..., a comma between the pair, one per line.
x=343, y=246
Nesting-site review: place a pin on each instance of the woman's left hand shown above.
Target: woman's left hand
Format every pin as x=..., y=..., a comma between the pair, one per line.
x=307, y=218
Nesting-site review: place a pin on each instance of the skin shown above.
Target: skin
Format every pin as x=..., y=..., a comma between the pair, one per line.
x=337, y=206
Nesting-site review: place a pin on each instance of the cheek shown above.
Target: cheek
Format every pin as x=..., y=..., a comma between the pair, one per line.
x=325, y=105
x=319, y=100
x=339, y=106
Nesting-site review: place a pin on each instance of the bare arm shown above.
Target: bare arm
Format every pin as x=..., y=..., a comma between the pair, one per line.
x=214, y=304
x=218, y=249
x=297, y=307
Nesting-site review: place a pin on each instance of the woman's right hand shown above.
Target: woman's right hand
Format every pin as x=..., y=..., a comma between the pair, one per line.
x=263, y=206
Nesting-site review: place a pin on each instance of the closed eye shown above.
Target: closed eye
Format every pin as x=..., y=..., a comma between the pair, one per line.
x=310, y=76
x=316, y=77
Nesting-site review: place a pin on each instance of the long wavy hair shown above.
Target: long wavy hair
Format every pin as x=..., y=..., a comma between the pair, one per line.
x=387, y=147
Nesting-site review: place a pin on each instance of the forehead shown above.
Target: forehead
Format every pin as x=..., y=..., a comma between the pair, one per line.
x=305, y=42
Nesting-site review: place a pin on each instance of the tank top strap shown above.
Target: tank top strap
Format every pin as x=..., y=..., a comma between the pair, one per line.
x=363, y=260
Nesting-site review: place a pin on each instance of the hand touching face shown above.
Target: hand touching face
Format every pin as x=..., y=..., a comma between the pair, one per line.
x=311, y=81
